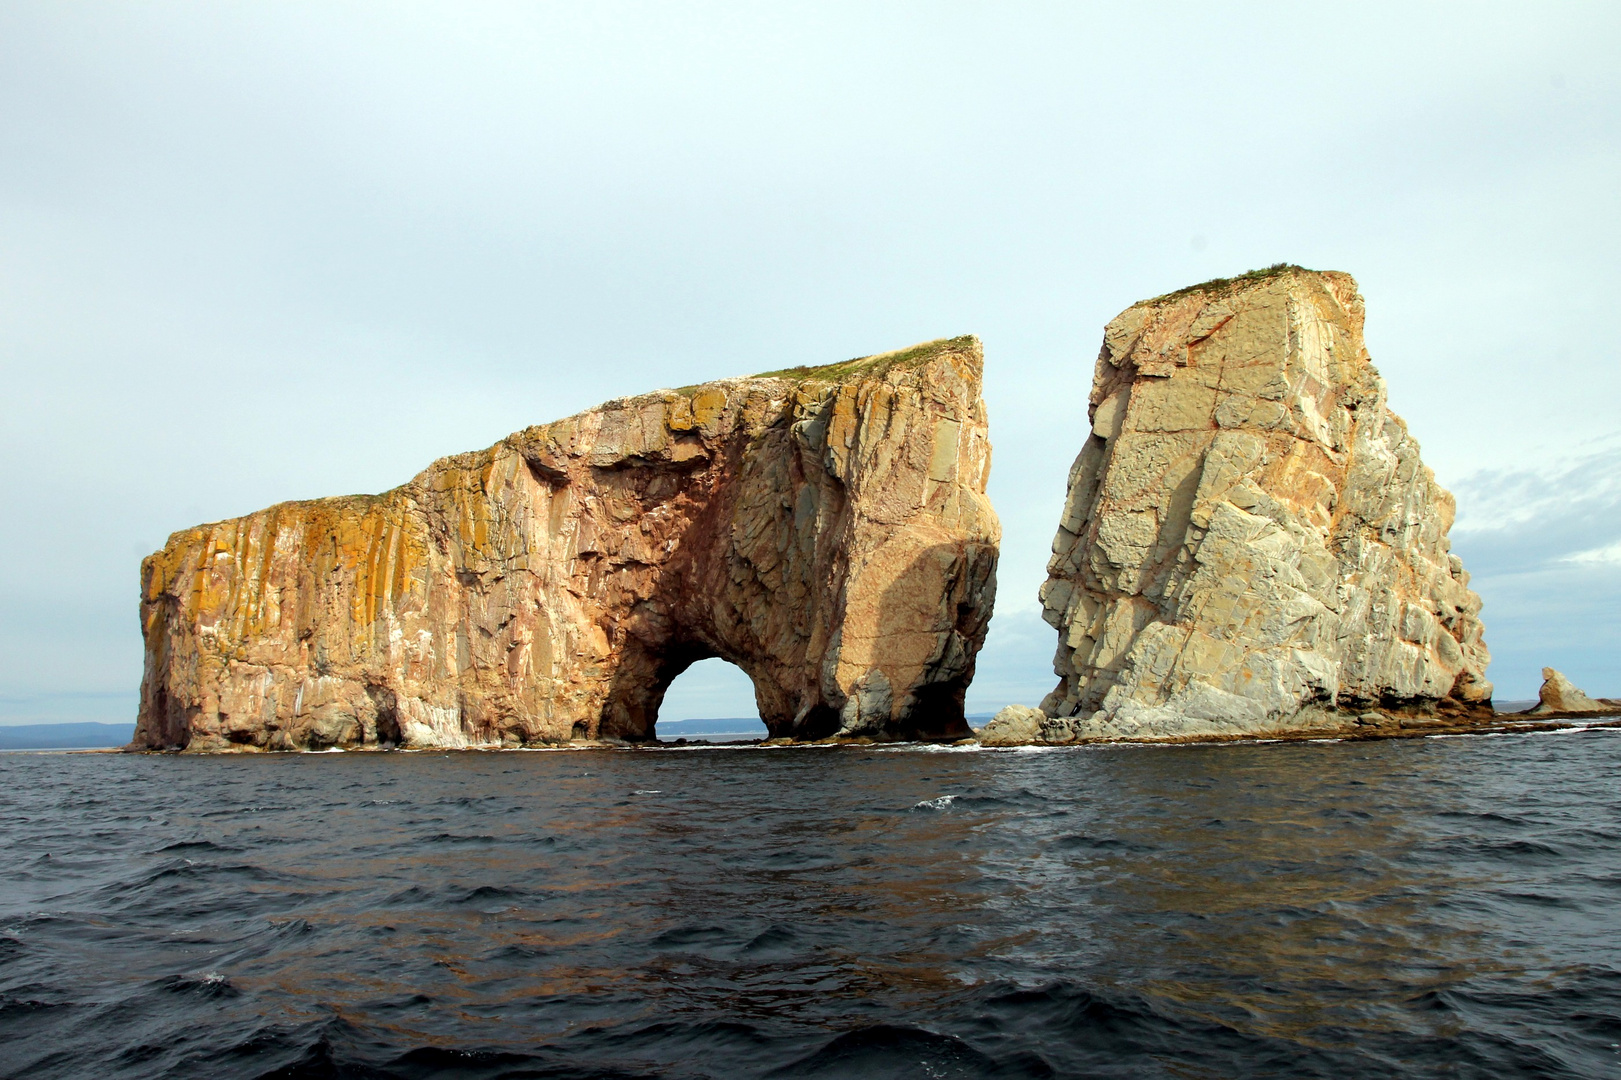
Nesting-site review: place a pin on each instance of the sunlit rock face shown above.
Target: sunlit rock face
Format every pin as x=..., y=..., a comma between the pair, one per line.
x=825, y=529
x=1559, y=695
x=1251, y=542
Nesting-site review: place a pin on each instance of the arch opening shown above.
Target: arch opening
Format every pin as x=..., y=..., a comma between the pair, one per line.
x=712, y=700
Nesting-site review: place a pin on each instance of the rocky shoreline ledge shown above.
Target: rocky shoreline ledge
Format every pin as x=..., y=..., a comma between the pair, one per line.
x=1411, y=729
x=1559, y=705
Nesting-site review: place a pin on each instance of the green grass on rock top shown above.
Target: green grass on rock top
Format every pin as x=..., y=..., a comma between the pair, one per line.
x=871, y=365
x=1222, y=286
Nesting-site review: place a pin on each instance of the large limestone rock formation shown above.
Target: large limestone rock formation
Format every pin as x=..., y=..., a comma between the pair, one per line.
x=1250, y=542
x=824, y=529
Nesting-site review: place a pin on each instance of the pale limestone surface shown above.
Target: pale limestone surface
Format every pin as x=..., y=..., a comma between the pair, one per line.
x=1559, y=694
x=1013, y=725
x=825, y=529
x=1251, y=542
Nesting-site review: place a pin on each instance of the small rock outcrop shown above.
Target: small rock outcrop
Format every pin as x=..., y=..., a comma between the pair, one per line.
x=1014, y=725
x=1560, y=695
x=1251, y=542
x=825, y=529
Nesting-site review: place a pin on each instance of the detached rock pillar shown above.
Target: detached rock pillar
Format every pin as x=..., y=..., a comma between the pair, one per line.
x=1251, y=542
x=825, y=529
x=1559, y=695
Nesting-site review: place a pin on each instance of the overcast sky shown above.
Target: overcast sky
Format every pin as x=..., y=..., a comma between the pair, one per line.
x=256, y=252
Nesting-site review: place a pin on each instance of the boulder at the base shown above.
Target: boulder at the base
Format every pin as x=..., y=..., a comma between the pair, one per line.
x=1559, y=694
x=1013, y=725
x=825, y=529
x=1251, y=543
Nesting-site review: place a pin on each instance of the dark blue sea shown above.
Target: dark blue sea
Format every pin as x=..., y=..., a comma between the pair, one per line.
x=1443, y=907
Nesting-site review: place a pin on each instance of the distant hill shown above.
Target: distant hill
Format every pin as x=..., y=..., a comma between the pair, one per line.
x=749, y=726
x=83, y=736
x=737, y=726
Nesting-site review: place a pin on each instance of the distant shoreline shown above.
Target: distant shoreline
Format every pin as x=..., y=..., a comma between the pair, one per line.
x=95, y=737
x=81, y=735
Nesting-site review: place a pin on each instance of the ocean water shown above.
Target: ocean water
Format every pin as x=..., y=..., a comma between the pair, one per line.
x=1446, y=907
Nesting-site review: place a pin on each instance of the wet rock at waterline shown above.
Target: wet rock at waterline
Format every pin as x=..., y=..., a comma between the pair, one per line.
x=825, y=529
x=1251, y=543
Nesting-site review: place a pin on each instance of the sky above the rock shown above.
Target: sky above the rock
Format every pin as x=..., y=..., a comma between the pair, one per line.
x=256, y=252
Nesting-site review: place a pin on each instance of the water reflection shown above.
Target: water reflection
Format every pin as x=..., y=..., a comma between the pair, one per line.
x=1283, y=889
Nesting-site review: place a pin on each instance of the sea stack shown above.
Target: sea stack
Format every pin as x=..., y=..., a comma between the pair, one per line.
x=825, y=529
x=1251, y=543
x=1559, y=695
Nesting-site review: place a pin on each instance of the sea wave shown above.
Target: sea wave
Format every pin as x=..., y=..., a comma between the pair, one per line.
x=1411, y=908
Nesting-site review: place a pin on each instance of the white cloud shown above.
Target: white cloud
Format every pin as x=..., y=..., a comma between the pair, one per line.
x=1576, y=480
x=1608, y=555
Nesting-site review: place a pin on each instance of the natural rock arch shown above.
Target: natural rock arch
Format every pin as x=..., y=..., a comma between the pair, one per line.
x=824, y=529
x=709, y=691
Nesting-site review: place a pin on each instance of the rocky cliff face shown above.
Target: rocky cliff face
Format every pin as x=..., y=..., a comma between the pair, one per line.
x=1251, y=542
x=825, y=529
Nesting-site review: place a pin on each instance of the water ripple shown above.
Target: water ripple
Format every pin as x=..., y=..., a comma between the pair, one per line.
x=1417, y=908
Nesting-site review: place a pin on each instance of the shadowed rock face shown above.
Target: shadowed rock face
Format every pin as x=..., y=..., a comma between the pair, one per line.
x=1251, y=542
x=824, y=529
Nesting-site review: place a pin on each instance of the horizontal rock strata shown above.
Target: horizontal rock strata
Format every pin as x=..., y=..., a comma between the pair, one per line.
x=825, y=529
x=1251, y=543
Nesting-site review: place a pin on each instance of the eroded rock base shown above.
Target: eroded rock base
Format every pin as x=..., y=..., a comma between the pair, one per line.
x=1022, y=730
